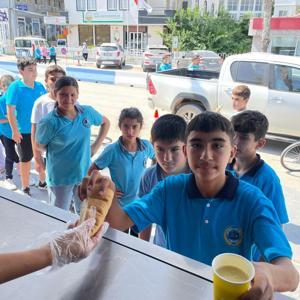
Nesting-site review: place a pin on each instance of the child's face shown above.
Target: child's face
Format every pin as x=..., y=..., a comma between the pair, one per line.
x=208, y=154
x=130, y=129
x=170, y=156
x=247, y=145
x=238, y=102
x=51, y=79
x=66, y=98
x=29, y=73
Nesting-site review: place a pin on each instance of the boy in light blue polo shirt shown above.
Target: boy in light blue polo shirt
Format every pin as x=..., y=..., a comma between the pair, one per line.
x=20, y=98
x=250, y=130
x=210, y=212
x=126, y=159
x=168, y=140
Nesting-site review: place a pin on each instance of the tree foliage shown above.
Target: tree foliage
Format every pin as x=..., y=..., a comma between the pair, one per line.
x=220, y=33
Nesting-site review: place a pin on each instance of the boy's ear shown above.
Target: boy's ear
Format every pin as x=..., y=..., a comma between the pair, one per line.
x=232, y=153
x=260, y=143
x=184, y=150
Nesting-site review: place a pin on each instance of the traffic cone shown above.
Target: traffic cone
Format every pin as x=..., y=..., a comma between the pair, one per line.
x=156, y=116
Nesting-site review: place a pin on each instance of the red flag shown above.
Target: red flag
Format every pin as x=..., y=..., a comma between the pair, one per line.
x=136, y=2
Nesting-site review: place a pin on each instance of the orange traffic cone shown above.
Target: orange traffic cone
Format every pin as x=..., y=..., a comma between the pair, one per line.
x=156, y=116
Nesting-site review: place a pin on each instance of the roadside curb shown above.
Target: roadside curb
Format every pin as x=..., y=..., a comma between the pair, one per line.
x=134, y=79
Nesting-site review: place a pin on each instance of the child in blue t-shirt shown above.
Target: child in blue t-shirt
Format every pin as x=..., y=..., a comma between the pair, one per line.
x=52, y=54
x=38, y=54
x=165, y=65
x=65, y=135
x=168, y=140
x=209, y=211
x=250, y=130
x=11, y=156
x=126, y=159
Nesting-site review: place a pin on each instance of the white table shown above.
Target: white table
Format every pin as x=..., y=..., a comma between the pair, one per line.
x=121, y=267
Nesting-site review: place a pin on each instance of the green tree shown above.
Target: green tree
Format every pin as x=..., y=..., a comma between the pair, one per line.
x=220, y=33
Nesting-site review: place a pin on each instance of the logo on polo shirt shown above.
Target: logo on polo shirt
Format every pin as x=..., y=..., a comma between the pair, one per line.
x=233, y=236
x=86, y=123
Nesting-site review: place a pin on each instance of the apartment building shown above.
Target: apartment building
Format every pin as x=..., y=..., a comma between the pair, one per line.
x=284, y=29
x=26, y=17
x=127, y=22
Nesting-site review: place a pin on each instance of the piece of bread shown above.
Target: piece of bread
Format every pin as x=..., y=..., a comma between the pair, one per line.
x=100, y=205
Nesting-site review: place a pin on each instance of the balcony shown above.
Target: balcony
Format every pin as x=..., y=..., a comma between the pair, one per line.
x=159, y=15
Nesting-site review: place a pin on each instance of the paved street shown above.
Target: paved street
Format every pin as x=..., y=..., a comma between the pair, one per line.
x=110, y=99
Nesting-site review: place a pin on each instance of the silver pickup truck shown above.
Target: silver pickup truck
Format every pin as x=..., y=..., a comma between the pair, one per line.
x=274, y=81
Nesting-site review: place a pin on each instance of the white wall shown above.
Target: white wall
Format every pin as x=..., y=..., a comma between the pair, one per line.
x=153, y=34
x=73, y=36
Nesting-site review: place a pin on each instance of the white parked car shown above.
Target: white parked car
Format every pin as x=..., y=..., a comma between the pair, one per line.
x=110, y=54
x=153, y=56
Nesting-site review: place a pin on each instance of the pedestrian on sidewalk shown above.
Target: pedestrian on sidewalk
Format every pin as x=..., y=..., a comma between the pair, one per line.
x=85, y=51
x=52, y=54
x=44, y=53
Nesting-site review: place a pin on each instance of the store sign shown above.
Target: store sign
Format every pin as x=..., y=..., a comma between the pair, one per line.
x=102, y=17
x=22, y=7
x=3, y=15
x=55, y=20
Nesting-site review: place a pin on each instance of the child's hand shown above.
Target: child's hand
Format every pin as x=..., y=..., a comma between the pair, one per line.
x=262, y=287
x=119, y=194
x=17, y=137
x=92, y=168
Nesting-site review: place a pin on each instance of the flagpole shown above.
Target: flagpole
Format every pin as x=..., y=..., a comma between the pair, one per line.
x=127, y=42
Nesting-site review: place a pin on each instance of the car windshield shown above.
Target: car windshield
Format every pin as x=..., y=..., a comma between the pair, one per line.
x=23, y=43
x=108, y=48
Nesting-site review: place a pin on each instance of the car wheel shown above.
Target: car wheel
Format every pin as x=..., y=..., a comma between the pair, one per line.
x=145, y=69
x=123, y=63
x=98, y=66
x=189, y=110
x=120, y=66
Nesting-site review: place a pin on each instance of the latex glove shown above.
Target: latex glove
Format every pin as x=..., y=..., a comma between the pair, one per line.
x=75, y=244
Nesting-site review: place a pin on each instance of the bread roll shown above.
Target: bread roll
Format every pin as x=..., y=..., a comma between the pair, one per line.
x=100, y=205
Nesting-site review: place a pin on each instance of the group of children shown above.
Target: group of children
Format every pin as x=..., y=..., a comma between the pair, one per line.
x=208, y=191
x=41, y=53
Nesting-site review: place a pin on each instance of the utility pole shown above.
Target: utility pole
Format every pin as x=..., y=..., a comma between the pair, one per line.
x=265, y=39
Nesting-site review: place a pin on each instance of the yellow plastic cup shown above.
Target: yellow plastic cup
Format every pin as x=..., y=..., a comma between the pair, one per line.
x=232, y=276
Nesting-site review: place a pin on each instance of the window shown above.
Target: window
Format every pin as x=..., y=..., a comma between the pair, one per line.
x=21, y=27
x=250, y=72
x=285, y=78
x=232, y=5
x=91, y=5
x=282, y=13
x=36, y=27
x=112, y=4
x=123, y=4
x=80, y=5
x=246, y=5
x=258, y=5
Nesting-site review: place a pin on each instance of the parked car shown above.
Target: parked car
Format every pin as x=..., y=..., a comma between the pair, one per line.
x=274, y=81
x=153, y=56
x=211, y=60
x=25, y=46
x=110, y=54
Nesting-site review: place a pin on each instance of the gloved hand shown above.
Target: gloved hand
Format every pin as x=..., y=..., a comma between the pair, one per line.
x=75, y=244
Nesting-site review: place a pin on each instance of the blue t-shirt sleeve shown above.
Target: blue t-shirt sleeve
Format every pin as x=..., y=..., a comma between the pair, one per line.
x=12, y=95
x=3, y=107
x=144, y=185
x=105, y=157
x=274, y=192
x=44, y=131
x=95, y=117
x=150, y=149
x=149, y=209
x=267, y=232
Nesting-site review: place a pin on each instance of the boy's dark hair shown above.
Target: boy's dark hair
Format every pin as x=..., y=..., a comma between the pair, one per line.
x=169, y=128
x=131, y=113
x=65, y=81
x=251, y=121
x=54, y=69
x=242, y=91
x=23, y=62
x=208, y=122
